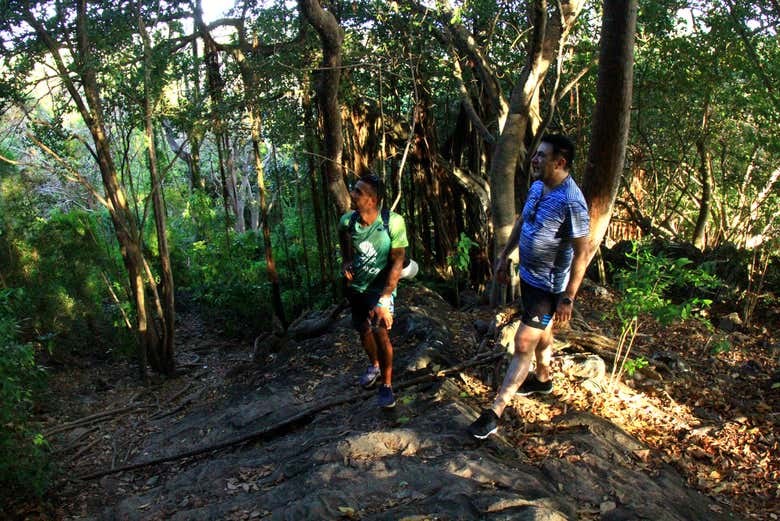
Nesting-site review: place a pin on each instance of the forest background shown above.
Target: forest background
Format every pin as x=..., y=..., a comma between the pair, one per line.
x=148, y=155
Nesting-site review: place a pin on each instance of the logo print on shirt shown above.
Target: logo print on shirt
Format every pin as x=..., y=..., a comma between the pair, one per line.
x=369, y=254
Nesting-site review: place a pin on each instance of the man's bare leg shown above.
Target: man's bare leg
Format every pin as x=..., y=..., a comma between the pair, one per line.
x=369, y=345
x=526, y=341
x=384, y=350
x=544, y=351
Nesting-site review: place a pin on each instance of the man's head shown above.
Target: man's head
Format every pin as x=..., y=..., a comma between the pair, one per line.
x=367, y=192
x=553, y=157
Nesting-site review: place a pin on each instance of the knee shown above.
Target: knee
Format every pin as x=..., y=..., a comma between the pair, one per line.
x=523, y=345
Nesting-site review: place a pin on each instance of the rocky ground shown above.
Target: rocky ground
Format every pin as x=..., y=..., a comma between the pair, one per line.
x=280, y=430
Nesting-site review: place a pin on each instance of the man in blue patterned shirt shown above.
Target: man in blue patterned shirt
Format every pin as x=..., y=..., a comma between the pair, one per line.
x=552, y=235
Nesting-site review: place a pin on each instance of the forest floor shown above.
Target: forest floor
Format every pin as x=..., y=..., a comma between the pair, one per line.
x=694, y=435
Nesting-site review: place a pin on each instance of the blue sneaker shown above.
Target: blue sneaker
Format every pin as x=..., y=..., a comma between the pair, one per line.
x=369, y=378
x=385, y=398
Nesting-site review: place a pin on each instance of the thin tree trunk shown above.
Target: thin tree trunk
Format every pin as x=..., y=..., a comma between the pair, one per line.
x=705, y=174
x=168, y=318
x=255, y=122
x=302, y=233
x=319, y=219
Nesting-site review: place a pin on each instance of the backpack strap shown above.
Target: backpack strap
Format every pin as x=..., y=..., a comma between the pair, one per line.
x=385, y=213
x=352, y=221
x=386, y=219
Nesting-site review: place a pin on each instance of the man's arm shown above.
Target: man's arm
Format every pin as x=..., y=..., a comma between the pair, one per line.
x=513, y=242
x=579, y=264
x=396, y=263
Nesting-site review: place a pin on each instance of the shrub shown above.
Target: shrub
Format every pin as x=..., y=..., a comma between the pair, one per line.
x=24, y=464
x=645, y=285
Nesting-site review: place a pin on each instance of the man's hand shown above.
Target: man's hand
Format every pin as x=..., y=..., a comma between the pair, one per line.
x=502, y=270
x=380, y=316
x=563, y=311
x=346, y=270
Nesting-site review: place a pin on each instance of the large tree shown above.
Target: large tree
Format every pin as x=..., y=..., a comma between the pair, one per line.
x=609, y=135
x=88, y=34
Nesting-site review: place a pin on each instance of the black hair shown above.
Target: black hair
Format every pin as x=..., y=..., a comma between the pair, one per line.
x=377, y=184
x=562, y=146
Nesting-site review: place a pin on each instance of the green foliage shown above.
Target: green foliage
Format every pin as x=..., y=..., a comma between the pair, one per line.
x=24, y=466
x=720, y=345
x=645, y=287
x=228, y=276
x=632, y=365
x=63, y=263
x=227, y=273
x=460, y=261
x=701, y=91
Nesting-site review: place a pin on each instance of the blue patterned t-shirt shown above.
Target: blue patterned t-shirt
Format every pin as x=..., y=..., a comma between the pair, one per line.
x=550, y=221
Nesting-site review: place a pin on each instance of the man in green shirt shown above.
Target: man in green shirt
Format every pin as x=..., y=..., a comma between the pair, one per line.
x=373, y=254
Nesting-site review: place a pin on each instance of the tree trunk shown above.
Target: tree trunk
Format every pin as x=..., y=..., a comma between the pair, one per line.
x=331, y=36
x=699, y=238
x=611, y=117
x=125, y=225
x=250, y=80
x=435, y=183
x=165, y=358
x=215, y=86
x=319, y=218
x=273, y=275
x=302, y=233
x=510, y=148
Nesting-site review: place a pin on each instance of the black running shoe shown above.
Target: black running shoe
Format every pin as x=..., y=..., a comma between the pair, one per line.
x=533, y=385
x=485, y=425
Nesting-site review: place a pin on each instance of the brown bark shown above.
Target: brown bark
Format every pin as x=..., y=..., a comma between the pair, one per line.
x=123, y=218
x=329, y=75
x=699, y=238
x=609, y=134
x=435, y=183
x=273, y=274
x=250, y=80
x=319, y=219
x=165, y=354
x=364, y=126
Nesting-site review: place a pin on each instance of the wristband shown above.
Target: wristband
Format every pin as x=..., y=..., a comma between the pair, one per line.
x=383, y=302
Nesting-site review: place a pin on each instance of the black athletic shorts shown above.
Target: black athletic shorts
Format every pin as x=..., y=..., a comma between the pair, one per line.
x=538, y=305
x=362, y=304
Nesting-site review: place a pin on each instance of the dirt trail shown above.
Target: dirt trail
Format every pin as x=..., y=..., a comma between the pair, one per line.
x=354, y=460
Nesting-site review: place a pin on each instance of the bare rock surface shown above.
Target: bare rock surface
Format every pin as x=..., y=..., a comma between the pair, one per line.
x=354, y=461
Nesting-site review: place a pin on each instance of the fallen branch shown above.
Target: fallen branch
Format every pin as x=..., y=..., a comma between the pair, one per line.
x=75, y=443
x=94, y=418
x=191, y=398
x=592, y=342
x=83, y=450
x=296, y=420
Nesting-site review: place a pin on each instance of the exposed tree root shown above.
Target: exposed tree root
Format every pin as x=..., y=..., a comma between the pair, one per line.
x=297, y=420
